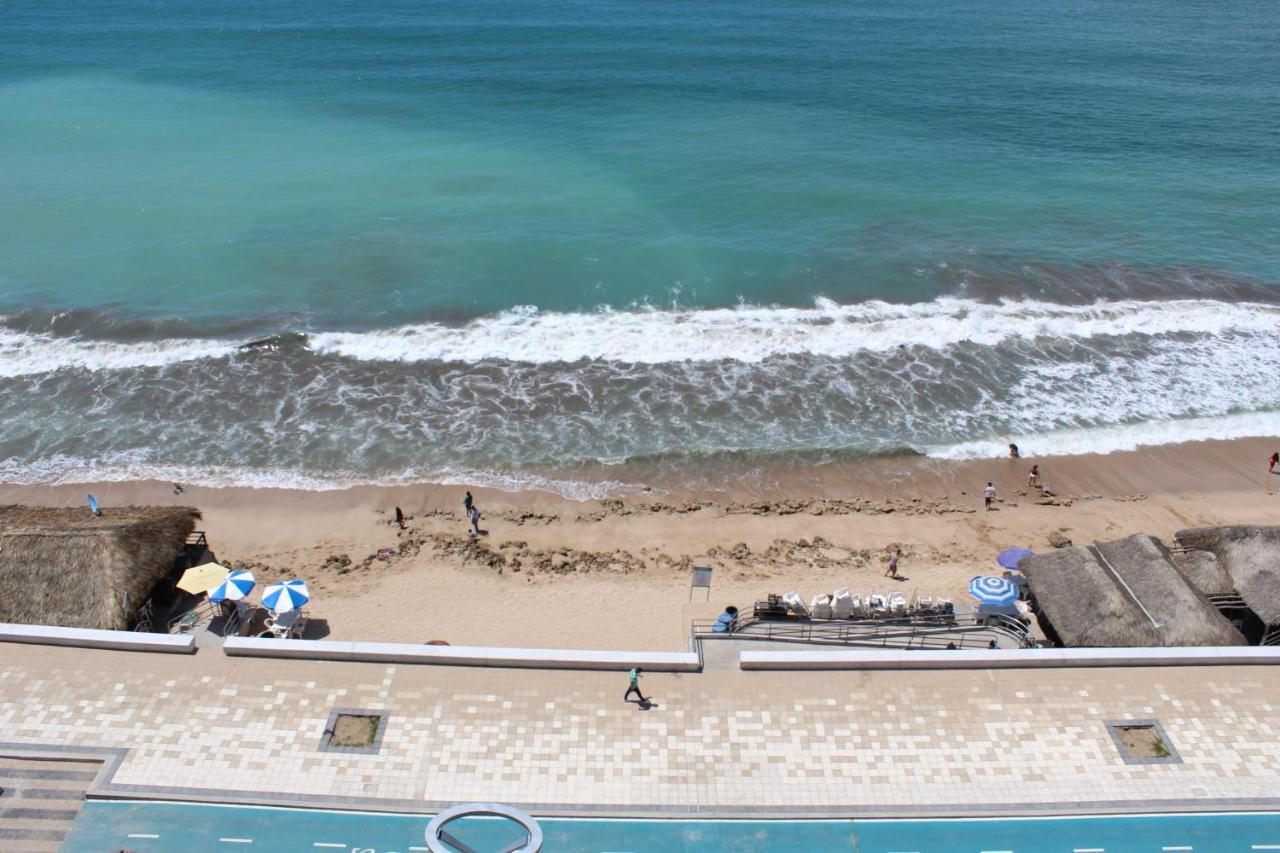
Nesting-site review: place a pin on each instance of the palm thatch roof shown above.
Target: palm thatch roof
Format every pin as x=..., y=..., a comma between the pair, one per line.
x=1087, y=606
x=1250, y=554
x=65, y=566
x=1204, y=572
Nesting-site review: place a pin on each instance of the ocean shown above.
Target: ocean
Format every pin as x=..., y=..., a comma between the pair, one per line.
x=573, y=245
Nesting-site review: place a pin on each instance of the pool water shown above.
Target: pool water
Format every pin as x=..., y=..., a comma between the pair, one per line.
x=189, y=828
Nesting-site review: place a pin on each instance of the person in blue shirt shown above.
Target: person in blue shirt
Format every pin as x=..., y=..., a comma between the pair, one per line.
x=634, y=675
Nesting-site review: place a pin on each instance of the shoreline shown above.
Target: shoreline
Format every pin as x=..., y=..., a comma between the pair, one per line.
x=1209, y=465
x=614, y=574
x=697, y=473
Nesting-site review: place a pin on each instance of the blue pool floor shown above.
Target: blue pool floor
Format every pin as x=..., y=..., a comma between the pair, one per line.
x=191, y=828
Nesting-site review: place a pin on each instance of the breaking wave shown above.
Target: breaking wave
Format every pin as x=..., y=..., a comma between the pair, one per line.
x=587, y=404
x=745, y=334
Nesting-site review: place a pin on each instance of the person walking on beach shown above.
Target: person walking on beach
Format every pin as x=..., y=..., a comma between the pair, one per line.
x=634, y=676
x=989, y=495
x=1033, y=477
x=474, y=512
x=467, y=503
x=1273, y=462
x=892, y=571
x=400, y=517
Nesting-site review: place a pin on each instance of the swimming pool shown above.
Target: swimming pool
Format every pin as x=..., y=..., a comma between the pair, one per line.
x=189, y=828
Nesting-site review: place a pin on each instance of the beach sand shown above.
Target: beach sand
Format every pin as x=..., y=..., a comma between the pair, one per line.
x=615, y=574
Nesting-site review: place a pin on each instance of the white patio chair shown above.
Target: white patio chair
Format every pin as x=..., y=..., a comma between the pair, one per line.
x=287, y=625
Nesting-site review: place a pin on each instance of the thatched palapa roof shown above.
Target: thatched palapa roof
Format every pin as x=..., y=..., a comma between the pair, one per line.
x=1088, y=606
x=1203, y=570
x=1250, y=554
x=68, y=567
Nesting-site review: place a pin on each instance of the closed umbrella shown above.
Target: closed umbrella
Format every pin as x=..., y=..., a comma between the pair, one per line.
x=994, y=591
x=202, y=578
x=285, y=596
x=234, y=586
x=1011, y=558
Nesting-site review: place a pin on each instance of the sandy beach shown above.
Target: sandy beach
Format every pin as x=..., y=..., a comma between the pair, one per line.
x=615, y=574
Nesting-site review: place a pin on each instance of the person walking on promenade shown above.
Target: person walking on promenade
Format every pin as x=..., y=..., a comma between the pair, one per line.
x=989, y=495
x=634, y=676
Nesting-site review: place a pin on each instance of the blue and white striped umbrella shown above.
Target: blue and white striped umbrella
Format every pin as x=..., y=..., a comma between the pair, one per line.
x=235, y=586
x=285, y=596
x=989, y=590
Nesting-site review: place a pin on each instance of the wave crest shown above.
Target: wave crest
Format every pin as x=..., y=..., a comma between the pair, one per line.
x=748, y=334
x=753, y=334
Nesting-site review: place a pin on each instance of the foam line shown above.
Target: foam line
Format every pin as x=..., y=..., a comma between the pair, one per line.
x=745, y=334
x=752, y=334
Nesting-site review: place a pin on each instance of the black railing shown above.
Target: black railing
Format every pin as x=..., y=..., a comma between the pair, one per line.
x=920, y=632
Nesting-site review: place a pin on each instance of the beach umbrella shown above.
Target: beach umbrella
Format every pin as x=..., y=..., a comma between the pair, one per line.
x=989, y=590
x=285, y=596
x=202, y=578
x=1012, y=557
x=234, y=586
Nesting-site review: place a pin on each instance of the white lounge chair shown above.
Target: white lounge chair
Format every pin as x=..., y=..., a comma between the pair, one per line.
x=821, y=606
x=842, y=604
x=795, y=604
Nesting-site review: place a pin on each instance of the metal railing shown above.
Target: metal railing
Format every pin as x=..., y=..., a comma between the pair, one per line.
x=919, y=632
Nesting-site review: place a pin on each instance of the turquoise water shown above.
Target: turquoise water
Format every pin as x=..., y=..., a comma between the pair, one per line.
x=192, y=829
x=483, y=216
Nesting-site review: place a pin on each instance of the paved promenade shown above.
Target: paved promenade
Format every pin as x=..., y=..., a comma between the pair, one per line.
x=715, y=744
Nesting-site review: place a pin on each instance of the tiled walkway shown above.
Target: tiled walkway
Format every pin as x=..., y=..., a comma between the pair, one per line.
x=720, y=743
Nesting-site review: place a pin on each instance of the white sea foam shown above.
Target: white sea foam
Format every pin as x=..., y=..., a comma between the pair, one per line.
x=1040, y=370
x=23, y=354
x=1112, y=439
x=131, y=466
x=752, y=334
x=747, y=334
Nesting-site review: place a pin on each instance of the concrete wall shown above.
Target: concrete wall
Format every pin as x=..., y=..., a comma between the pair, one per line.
x=1009, y=658
x=91, y=638
x=461, y=655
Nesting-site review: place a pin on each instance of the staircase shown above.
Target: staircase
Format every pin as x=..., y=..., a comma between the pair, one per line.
x=39, y=800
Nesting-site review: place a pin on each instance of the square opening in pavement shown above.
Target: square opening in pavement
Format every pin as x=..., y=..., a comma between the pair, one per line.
x=1142, y=742
x=354, y=730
